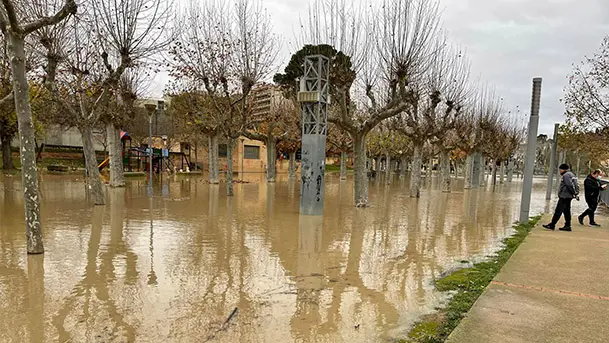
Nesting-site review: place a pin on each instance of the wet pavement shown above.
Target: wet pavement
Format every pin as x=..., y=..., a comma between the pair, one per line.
x=191, y=265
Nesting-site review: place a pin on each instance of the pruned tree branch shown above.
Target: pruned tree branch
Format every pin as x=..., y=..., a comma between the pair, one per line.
x=69, y=8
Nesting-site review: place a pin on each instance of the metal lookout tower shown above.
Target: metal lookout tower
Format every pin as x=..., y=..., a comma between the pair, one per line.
x=314, y=101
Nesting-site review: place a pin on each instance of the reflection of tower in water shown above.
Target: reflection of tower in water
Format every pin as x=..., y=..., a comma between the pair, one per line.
x=309, y=279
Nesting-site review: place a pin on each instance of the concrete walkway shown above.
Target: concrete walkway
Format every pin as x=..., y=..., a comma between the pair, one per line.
x=555, y=288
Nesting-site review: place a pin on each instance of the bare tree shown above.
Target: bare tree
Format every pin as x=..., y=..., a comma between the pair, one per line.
x=225, y=51
x=389, y=47
x=340, y=141
x=474, y=128
x=436, y=101
x=586, y=95
x=272, y=125
x=16, y=26
x=504, y=138
x=84, y=71
x=129, y=32
x=191, y=110
x=450, y=75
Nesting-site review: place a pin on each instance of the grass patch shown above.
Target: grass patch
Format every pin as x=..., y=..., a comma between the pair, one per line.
x=467, y=285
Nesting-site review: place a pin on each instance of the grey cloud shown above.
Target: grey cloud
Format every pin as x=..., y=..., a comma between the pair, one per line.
x=512, y=41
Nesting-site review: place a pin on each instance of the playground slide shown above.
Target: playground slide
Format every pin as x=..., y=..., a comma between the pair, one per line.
x=104, y=164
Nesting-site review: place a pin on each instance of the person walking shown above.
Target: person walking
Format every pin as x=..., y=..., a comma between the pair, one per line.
x=592, y=190
x=568, y=190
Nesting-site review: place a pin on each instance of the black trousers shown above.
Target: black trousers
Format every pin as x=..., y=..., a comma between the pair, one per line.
x=563, y=207
x=592, y=205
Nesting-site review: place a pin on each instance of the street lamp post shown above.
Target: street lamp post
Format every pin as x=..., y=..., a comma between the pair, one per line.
x=529, y=163
x=150, y=108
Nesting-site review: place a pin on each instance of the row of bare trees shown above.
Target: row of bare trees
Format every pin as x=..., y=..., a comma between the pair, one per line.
x=81, y=56
x=392, y=72
x=398, y=76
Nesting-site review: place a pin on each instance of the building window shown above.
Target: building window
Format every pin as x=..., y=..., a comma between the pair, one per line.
x=222, y=150
x=252, y=152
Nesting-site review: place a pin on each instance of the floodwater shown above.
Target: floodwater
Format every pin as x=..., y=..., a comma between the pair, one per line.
x=191, y=265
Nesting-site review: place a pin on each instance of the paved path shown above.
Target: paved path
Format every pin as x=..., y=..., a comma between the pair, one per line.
x=555, y=288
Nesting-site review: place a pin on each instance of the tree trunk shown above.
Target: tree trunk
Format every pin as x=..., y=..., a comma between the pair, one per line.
x=271, y=157
x=469, y=171
x=27, y=147
x=229, y=168
x=196, y=157
x=214, y=165
x=95, y=184
x=502, y=172
x=445, y=170
x=415, y=177
x=578, y=162
x=403, y=166
x=115, y=147
x=482, y=171
x=359, y=170
x=510, y=170
x=494, y=172
x=429, y=171
x=292, y=166
x=387, y=169
x=377, y=164
x=7, y=153
x=343, y=165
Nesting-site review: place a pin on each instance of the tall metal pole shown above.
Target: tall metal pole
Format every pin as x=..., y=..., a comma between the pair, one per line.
x=314, y=100
x=525, y=202
x=150, y=153
x=552, y=162
x=150, y=108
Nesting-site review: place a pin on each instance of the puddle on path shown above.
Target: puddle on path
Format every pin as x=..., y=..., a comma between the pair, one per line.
x=175, y=267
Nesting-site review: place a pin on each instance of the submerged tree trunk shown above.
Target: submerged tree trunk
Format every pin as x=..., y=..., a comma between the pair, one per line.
x=359, y=170
x=27, y=147
x=95, y=184
x=445, y=170
x=502, y=172
x=387, y=169
x=229, y=168
x=403, y=166
x=214, y=165
x=115, y=147
x=343, y=165
x=415, y=177
x=7, y=154
x=429, y=171
x=510, y=170
x=271, y=157
x=482, y=179
x=292, y=166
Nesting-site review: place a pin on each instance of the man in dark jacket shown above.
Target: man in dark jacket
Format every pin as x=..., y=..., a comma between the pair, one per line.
x=592, y=189
x=568, y=190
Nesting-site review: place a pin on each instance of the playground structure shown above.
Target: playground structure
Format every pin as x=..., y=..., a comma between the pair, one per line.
x=137, y=158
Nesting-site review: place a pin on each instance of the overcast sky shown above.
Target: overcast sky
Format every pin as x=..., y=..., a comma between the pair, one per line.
x=508, y=41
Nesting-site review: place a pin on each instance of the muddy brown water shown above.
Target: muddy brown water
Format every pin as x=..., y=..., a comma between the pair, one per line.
x=191, y=265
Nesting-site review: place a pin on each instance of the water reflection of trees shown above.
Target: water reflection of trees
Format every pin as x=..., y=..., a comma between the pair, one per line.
x=370, y=267
x=91, y=309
